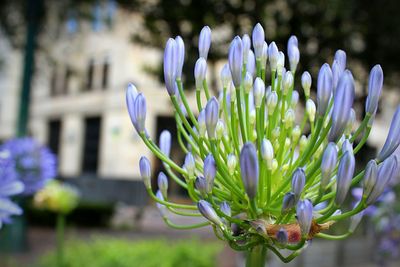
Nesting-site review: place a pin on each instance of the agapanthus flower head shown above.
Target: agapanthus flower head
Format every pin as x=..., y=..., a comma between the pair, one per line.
x=35, y=164
x=57, y=197
x=9, y=186
x=261, y=156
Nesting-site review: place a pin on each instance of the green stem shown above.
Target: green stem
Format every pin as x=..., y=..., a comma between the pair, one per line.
x=60, y=239
x=256, y=257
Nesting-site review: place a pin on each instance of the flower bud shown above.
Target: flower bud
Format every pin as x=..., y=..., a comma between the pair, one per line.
x=298, y=182
x=296, y=133
x=267, y=152
x=225, y=76
x=295, y=99
x=393, y=137
x=310, y=109
x=190, y=164
x=145, y=171
x=303, y=143
x=209, y=170
x=355, y=221
x=204, y=42
x=211, y=116
x=324, y=89
x=139, y=112
x=258, y=91
x=251, y=63
x=344, y=177
x=258, y=40
x=235, y=59
x=289, y=118
x=280, y=64
x=220, y=129
x=275, y=133
x=386, y=170
x=282, y=236
x=201, y=184
x=180, y=54
x=130, y=96
x=370, y=177
x=274, y=165
x=306, y=83
x=287, y=82
x=208, y=212
x=374, y=89
x=264, y=56
x=249, y=169
x=231, y=162
x=165, y=142
x=328, y=164
x=246, y=43
x=201, y=120
x=225, y=208
x=200, y=71
x=272, y=101
x=293, y=52
x=347, y=146
x=289, y=201
x=273, y=55
x=161, y=208
x=248, y=82
x=304, y=212
x=162, y=182
x=343, y=102
x=170, y=65
x=336, y=73
x=351, y=122
x=340, y=57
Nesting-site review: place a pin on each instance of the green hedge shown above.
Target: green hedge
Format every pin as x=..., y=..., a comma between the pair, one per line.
x=111, y=252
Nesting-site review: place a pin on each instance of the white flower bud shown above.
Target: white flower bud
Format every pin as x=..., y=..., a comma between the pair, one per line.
x=280, y=64
x=248, y=82
x=289, y=118
x=272, y=101
x=267, y=152
x=303, y=143
x=220, y=129
x=225, y=76
x=296, y=133
x=306, y=83
x=310, y=109
x=231, y=162
x=258, y=91
x=287, y=82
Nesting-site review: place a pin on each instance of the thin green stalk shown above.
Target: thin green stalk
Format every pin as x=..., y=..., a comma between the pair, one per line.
x=60, y=228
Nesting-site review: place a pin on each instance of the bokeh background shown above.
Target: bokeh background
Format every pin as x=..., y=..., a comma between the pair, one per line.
x=64, y=67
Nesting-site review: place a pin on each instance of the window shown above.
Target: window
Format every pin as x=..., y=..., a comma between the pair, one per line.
x=67, y=76
x=91, y=145
x=106, y=71
x=90, y=75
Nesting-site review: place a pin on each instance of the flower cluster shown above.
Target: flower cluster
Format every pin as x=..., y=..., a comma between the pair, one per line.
x=35, y=165
x=9, y=186
x=260, y=172
x=57, y=197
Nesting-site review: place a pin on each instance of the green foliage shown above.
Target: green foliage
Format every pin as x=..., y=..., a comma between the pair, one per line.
x=106, y=252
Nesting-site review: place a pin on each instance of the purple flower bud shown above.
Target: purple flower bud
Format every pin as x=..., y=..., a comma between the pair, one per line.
x=170, y=65
x=201, y=120
x=295, y=99
x=209, y=170
x=235, y=59
x=190, y=164
x=258, y=40
x=202, y=186
x=131, y=94
x=162, y=182
x=204, y=42
x=225, y=208
x=180, y=54
x=282, y=236
x=225, y=76
x=258, y=91
x=211, y=116
x=393, y=138
x=145, y=171
x=340, y=57
x=208, y=212
x=370, y=177
x=161, y=208
x=293, y=52
x=347, y=146
x=249, y=169
x=328, y=164
x=386, y=170
x=246, y=43
x=336, y=73
x=273, y=55
x=200, y=71
x=374, y=89
x=343, y=101
x=165, y=142
x=298, y=182
x=304, y=212
x=289, y=201
x=344, y=177
x=139, y=113
x=355, y=221
x=324, y=88
x=251, y=63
